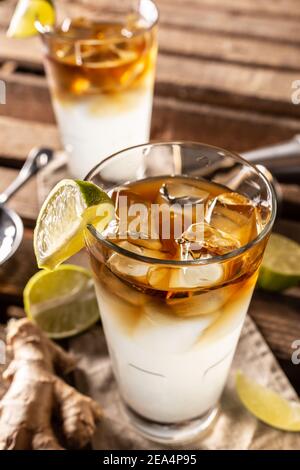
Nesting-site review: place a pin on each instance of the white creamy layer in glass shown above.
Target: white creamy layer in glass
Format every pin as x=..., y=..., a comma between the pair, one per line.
x=171, y=369
x=94, y=127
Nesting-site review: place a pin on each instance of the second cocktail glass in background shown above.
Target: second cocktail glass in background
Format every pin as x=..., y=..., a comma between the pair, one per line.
x=100, y=63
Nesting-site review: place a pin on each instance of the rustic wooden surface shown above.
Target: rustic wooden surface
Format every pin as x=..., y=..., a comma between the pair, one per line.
x=224, y=77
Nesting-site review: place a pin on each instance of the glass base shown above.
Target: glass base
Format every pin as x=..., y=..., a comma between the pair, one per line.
x=179, y=433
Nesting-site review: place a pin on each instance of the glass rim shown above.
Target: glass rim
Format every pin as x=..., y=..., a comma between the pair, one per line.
x=45, y=31
x=183, y=263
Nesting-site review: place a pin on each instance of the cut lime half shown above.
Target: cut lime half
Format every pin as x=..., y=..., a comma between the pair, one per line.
x=70, y=206
x=62, y=302
x=280, y=267
x=267, y=405
x=26, y=16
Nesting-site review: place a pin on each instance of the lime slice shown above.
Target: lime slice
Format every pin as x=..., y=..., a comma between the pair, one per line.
x=61, y=302
x=280, y=267
x=27, y=14
x=267, y=405
x=70, y=206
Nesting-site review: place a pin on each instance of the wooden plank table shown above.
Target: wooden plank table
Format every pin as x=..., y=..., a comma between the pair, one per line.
x=224, y=77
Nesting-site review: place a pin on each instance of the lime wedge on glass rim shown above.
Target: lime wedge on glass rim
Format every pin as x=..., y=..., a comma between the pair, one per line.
x=280, y=266
x=70, y=206
x=27, y=14
x=267, y=405
x=62, y=302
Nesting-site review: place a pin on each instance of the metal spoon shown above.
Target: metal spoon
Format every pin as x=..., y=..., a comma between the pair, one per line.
x=11, y=226
x=285, y=153
x=268, y=160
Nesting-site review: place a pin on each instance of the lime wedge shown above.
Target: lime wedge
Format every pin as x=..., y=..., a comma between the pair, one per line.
x=70, y=206
x=27, y=14
x=61, y=302
x=267, y=405
x=280, y=267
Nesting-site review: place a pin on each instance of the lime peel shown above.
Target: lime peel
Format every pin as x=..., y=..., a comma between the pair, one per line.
x=27, y=13
x=280, y=268
x=62, y=302
x=89, y=194
x=268, y=406
x=68, y=209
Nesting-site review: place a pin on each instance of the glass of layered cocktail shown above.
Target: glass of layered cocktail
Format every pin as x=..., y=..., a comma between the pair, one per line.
x=100, y=62
x=174, y=275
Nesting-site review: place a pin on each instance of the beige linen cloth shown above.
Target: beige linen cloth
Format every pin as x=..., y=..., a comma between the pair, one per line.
x=235, y=427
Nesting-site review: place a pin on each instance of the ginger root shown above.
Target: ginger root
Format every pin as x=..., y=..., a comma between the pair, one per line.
x=35, y=393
